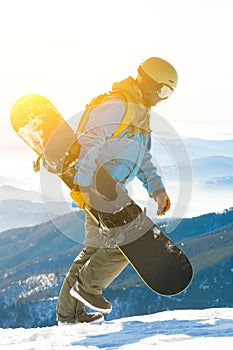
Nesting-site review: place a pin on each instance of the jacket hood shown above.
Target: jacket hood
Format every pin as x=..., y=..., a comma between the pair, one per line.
x=129, y=86
x=137, y=116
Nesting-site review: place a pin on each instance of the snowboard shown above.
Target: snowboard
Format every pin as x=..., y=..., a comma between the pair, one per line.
x=160, y=263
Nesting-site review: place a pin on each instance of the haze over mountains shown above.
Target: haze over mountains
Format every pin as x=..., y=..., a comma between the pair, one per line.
x=211, y=184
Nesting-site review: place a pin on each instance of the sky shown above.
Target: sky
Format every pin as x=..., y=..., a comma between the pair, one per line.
x=70, y=51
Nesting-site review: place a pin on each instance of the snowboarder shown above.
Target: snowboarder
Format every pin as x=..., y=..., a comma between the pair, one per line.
x=115, y=132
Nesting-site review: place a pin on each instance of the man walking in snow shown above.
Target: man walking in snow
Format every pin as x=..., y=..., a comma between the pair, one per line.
x=114, y=132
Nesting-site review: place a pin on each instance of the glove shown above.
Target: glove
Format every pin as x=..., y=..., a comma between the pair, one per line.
x=163, y=202
x=81, y=196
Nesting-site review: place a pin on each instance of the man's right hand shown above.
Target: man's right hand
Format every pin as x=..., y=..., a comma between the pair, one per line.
x=81, y=196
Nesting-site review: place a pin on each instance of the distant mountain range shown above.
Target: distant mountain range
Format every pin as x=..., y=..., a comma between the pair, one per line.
x=8, y=192
x=18, y=213
x=199, y=148
x=223, y=182
x=34, y=261
x=212, y=173
x=19, y=208
x=204, y=168
x=212, y=166
x=196, y=148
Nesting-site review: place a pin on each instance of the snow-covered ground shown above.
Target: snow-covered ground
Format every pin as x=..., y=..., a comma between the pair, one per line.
x=210, y=329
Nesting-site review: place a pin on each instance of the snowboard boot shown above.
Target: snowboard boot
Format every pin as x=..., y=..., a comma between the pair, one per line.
x=90, y=317
x=85, y=317
x=94, y=302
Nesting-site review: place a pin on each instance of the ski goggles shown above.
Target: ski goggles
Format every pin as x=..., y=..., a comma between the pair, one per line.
x=164, y=92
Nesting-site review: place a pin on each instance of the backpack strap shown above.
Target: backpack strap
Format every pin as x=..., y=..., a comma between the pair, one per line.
x=36, y=164
x=96, y=101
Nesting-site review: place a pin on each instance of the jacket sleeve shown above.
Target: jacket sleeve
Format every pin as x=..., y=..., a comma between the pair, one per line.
x=103, y=121
x=148, y=173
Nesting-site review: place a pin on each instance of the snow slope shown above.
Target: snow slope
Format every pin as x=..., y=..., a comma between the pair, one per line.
x=209, y=329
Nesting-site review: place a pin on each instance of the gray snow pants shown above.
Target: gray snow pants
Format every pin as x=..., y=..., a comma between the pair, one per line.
x=94, y=269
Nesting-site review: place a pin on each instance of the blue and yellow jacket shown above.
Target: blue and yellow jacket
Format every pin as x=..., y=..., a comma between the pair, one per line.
x=115, y=133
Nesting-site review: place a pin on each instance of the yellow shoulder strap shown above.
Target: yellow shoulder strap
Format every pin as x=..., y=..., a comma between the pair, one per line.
x=126, y=120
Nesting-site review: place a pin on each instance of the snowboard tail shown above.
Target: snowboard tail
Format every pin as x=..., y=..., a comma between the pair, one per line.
x=158, y=261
